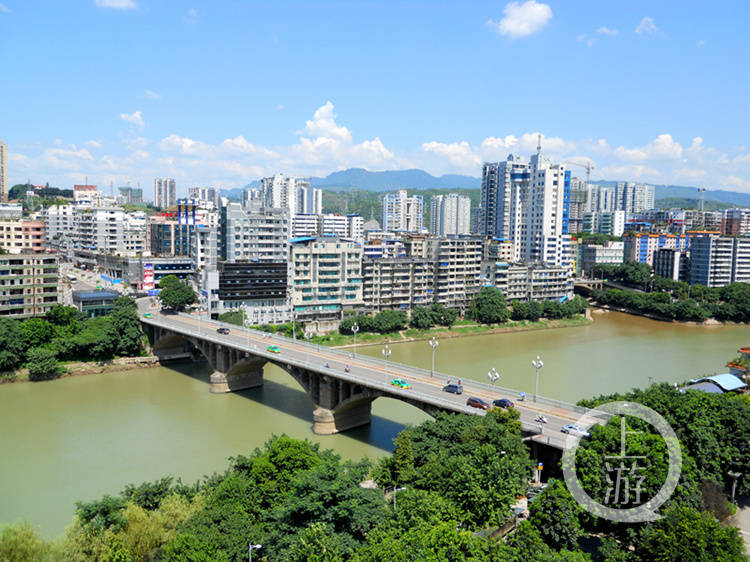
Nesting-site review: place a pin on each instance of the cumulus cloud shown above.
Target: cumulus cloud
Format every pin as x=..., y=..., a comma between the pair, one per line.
x=116, y=4
x=646, y=27
x=663, y=147
x=323, y=124
x=458, y=153
x=736, y=182
x=522, y=20
x=135, y=118
x=607, y=31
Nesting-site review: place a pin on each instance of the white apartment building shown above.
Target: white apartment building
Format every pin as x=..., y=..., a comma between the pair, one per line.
x=349, y=226
x=401, y=212
x=610, y=253
x=450, y=214
x=611, y=223
x=456, y=262
x=3, y=172
x=290, y=193
x=100, y=229
x=165, y=192
x=255, y=233
x=402, y=283
x=525, y=202
x=529, y=282
x=716, y=260
x=327, y=275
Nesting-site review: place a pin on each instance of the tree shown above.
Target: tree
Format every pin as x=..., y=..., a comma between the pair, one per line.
x=36, y=332
x=403, y=457
x=489, y=306
x=442, y=315
x=11, y=344
x=556, y=515
x=421, y=318
x=60, y=315
x=175, y=294
x=42, y=364
x=127, y=327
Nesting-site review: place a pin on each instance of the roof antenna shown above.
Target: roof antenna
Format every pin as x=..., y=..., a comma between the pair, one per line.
x=539, y=143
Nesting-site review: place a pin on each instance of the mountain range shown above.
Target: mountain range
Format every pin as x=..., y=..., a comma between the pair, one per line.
x=359, y=178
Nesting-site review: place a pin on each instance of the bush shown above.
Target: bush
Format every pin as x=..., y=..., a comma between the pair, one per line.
x=489, y=306
x=421, y=318
x=42, y=364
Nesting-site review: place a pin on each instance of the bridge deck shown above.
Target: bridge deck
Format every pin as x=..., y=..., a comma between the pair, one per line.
x=377, y=373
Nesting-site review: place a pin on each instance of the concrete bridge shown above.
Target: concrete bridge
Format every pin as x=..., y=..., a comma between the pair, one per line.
x=342, y=398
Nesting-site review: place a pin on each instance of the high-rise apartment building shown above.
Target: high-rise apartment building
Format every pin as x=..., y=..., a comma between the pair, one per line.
x=254, y=233
x=450, y=214
x=735, y=222
x=611, y=223
x=165, y=192
x=396, y=283
x=294, y=194
x=130, y=195
x=28, y=284
x=579, y=195
x=528, y=202
x=716, y=260
x=3, y=172
x=456, y=262
x=402, y=213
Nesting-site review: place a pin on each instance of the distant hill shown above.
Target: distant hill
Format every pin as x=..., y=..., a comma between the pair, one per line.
x=687, y=203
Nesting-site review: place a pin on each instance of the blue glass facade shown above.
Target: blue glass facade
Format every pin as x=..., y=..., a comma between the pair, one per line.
x=566, y=203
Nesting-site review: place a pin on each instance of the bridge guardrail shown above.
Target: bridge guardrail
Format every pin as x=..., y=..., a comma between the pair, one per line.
x=403, y=368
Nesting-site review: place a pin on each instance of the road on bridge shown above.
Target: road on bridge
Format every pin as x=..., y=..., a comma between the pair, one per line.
x=371, y=372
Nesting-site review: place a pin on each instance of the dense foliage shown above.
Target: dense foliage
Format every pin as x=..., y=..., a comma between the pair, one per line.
x=175, y=294
x=489, y=306
x=632, y=273
x=679, y=301
x=64, y=334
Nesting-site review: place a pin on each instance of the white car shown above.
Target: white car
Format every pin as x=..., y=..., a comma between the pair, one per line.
x=576, y=430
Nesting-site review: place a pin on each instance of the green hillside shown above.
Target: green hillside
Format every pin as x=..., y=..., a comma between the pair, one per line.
x=367, y=203
x=688, y=203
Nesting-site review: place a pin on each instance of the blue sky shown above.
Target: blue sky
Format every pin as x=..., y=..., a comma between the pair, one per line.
x=222, y=92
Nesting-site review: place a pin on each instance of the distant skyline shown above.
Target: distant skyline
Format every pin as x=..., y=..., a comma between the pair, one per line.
x=225, y=92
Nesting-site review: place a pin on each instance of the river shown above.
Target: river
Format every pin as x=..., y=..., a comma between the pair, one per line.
x=81, y=437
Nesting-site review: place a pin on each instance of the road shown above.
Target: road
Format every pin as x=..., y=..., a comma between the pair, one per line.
x=371, y=372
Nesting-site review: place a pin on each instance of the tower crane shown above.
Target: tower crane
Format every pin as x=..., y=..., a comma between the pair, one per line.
x=587, y=164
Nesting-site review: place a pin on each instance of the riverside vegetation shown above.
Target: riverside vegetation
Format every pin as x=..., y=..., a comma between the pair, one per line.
x=64, y=334
x=460, y=476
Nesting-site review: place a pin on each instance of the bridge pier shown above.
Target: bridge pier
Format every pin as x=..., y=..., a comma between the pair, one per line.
x=245, y=373
x=327, y=421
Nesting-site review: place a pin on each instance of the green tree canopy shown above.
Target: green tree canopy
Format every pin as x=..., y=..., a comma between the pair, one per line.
x=175, y=294
x=489, y=306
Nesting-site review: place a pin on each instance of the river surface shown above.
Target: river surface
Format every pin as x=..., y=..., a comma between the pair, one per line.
x=81, y=437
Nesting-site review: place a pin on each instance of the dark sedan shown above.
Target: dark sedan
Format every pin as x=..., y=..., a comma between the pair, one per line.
x=503, y=403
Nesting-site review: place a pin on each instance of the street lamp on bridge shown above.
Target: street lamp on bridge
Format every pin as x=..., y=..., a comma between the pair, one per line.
x=537, y=364
x=355, y=329
x=493, y=375
x=386, y=353
x=434, y=345
x=308, y=335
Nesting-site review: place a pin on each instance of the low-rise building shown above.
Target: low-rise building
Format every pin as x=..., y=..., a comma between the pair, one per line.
x=529, y=281
x=95, y=303
x=609, y=253
x=396, y=283
x=672, y=264
x=28, y=284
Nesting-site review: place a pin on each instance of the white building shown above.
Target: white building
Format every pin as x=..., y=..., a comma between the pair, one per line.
x=349, y=226
x=289, y=193
x=611, y=223
x=165, y=192
x=254, y=233
x=716, y=260
x=3, y=172
x=401, y=212
x=525, y=202
x=450, y=214
x=609, y=253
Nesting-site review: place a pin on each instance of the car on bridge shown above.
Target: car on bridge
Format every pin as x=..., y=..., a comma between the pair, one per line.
x=453, y=388
x=223, y=331
x=503, y=403
x=148, y=315
x=273, y=349
x=475, y=402
x=401, y=383
x=574, y=429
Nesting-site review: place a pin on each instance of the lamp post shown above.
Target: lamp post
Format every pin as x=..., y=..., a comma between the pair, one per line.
x=396, y=491
x=294, y=327
x=537, y=364
x=308, y=335
x=386, y=353
x=434, y=345
x=734, y=476
x=493, y=375
x=355, y=329
x=250, y=548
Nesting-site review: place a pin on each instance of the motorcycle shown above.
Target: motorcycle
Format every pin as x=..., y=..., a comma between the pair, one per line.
x=540, y=419
x=346, y=368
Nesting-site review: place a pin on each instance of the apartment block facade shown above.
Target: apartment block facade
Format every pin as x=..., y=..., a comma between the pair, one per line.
x=22, y=236
x=456, y=263
x=716, y=261
x=397, y=283
x=28, y=284
x=401, y=212
x=450, y=214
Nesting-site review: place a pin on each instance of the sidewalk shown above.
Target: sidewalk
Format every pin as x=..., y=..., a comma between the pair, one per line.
x=741, y=519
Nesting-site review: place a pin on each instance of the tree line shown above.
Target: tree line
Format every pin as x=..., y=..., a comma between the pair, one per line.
x=64, y=334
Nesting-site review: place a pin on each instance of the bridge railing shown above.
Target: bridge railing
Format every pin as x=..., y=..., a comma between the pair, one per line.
x=402, y=369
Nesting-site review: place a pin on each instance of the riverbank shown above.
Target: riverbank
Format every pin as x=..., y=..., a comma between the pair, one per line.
x=455, y=331
x=80, y=368
x=707, y=322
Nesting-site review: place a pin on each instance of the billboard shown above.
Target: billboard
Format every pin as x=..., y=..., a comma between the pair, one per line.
x=148, y=277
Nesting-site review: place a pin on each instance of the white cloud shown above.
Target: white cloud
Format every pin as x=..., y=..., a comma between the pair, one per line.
x=583, y=38
x=323, y=124
x=701, y=43
x=647, y=27
x=522, y=20
x=183, y=145
x=663, y=147
x=736, y=182
x=93, y=144
x=151, y=95
x=494, y=148
x=4, y=9
x=242, y=146
x=116, y=4
x=690, y=173
x=458, y=153
x=135, y=118
x=607, y=31
x=628, y=172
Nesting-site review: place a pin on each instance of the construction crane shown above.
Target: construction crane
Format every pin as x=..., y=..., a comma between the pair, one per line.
x=588, y=165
